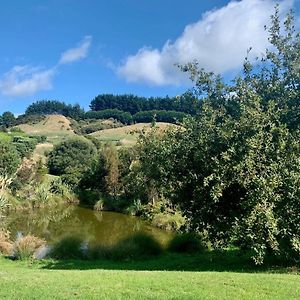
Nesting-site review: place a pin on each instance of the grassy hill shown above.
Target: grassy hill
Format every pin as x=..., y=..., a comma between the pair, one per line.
x=54, y=127
x=127, y=135
x=58, y=127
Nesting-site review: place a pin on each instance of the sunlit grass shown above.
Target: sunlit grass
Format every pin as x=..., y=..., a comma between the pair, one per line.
x=166, y=277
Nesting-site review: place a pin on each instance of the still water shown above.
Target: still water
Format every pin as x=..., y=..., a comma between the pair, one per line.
x=94, y=227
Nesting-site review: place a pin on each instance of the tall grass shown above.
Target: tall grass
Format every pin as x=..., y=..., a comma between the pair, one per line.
x=6, y=246
x=25, y=247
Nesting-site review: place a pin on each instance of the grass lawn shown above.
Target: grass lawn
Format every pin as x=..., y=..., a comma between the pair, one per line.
x=170, y=276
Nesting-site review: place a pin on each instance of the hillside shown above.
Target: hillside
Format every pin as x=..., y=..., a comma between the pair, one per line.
x=54, y=127
x=127, y=135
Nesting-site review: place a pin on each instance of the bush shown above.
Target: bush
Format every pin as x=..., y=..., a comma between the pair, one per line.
x=186, y=243
x=9, y=158
x=71, y=159
x=6, y=246
x=69, y=247
x=98, y=206
x=168, y=221
x=123, y=117
x=138, y=245
x=25, y=247
x=24, y=145
x=159, y=116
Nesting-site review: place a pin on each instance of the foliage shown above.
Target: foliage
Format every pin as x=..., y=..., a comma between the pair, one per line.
x=29, y=119
x=234, y=169
x=104, y=172
x=186, y=103
x=9, y=158
x=63, y=190
x=26, y=246
x=186, y=242
x=7, y=119
x=90, y=125
x=123, y=117
x=159, y=116
x=169, y=221
x=134, y=247
x=6, y=245
x=48, y=107
x=24, y=145
x=69, y=247
x=98, y=206
x=71, y=159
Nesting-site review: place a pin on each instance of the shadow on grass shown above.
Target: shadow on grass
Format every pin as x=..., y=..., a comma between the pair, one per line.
x=225, y=261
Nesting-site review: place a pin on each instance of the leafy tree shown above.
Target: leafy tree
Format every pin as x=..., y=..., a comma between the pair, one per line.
x=186, y=103
x=8, y=119
x=9, y=158
x=123, y=117
x=46, y=107
x=71, y=159
x=235, y=168
x=160, y=116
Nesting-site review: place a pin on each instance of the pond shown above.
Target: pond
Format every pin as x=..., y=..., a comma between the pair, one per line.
x=94, y=227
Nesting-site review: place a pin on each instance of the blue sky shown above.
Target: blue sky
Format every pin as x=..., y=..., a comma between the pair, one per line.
x=73, y=50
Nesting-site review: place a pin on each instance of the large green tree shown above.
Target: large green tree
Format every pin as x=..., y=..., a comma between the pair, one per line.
x=72, y=158
x=235, y=168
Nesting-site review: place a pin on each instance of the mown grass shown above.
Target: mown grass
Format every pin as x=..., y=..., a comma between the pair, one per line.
x=170, y=276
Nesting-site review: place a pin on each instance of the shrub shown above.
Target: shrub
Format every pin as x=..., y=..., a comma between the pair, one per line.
x=138, y=245
x=69, y=247
x=99, y=205
x=186, y=243
x=6, y=246
x=25, y=247
x=72, y=158
x=169, y=221
x=9, y=158
x=24, y=145
x=100, y=252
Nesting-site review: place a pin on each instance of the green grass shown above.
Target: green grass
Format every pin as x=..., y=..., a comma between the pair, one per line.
x=171, y=276
x=4, y=136
x=126, y=135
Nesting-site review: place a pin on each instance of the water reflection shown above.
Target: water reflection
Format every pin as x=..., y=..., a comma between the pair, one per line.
x=94, y=227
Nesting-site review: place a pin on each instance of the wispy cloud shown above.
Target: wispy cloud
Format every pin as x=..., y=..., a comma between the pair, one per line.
x=218, y=41
x=26, y=80
x=76, y=53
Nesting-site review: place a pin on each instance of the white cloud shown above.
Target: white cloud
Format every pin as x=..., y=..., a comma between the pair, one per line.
x=76, y=53
x=26, y=81
x=218, y=41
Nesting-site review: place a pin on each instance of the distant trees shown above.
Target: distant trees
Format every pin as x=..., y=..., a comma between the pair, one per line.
x=186, y=103
x=123, y=117
x=125, y=108
x=7, y=119
x=46, y=107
